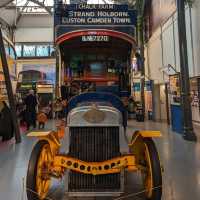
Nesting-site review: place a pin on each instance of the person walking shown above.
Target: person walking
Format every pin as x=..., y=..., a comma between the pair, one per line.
x=31, y=103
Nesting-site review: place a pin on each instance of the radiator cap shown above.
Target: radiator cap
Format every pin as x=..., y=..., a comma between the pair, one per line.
x=94, y=115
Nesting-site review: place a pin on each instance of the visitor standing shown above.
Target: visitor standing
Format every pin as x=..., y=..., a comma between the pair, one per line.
x=31, y=103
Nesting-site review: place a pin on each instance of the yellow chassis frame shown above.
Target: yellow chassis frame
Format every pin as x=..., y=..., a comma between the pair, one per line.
x=62, y=162
x=114, y=165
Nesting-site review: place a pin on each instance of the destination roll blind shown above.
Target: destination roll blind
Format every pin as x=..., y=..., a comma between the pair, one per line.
x=84, y=14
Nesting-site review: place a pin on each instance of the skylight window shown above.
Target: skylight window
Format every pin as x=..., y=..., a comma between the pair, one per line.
x=44, y=6
x=27, y=6
x=23, y=2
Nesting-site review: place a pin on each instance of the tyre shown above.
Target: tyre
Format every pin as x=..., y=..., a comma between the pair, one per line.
x=152, y=173
x=38, y=176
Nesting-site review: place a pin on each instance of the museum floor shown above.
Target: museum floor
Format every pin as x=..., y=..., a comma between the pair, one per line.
x=181, y=161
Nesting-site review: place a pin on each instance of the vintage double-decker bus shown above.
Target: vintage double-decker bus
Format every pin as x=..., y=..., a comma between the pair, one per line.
x=27, y=80
x=95, y=44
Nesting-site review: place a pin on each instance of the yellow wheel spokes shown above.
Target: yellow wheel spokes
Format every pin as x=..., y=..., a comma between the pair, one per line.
x=147, y=173
x=42, y=177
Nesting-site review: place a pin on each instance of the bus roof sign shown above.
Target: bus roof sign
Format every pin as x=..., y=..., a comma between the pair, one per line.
x=85, y=14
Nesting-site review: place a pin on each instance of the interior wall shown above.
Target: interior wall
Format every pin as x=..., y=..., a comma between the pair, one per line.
x=168, y=43
x=163, y=46
x=162, y=10
x=34, y=35
x=35, y=28
x=196, y=35
x=154, y=50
